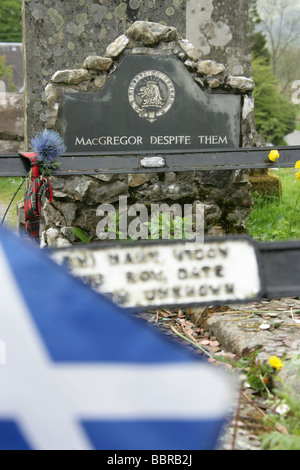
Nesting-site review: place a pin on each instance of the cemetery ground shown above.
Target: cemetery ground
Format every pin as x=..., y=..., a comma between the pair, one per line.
x=242, y=338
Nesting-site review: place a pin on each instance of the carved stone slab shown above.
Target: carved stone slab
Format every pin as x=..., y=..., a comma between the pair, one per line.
x=150, y=104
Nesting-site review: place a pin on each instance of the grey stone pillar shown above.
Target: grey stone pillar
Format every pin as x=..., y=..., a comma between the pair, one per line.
x=220, y=31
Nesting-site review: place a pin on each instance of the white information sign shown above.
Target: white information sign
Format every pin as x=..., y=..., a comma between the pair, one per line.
x=167, y=274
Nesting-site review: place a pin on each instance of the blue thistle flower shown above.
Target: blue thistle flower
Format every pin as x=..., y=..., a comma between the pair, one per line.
x=48, y=146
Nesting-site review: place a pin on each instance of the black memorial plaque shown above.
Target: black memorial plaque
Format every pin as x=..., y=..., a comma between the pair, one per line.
x=150, y=104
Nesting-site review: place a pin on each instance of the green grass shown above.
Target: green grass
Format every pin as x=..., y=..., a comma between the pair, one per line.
x=277, y=218
x=8, y=186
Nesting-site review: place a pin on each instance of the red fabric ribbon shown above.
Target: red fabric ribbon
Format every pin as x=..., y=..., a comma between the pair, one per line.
x=35, y=169
x=33, y=195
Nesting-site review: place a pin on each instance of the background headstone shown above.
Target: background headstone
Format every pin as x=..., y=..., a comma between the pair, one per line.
x=11, y=122
x=12, y=100
x=14, y=57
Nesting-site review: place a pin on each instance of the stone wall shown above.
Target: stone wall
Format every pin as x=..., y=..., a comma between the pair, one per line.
x=61, y=34
x=225, y=194
x=11, y=122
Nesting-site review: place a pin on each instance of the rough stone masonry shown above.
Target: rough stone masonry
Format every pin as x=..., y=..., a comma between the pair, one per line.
x=225, y=194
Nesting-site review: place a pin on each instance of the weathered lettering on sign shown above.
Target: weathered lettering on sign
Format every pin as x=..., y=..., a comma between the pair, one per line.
x=167, y=274
x=150, y=104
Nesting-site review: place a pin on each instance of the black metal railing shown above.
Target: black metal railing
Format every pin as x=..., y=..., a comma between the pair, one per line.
x=85, y=163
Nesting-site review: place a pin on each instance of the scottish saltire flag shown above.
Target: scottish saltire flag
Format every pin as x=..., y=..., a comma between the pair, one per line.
x=81, y=373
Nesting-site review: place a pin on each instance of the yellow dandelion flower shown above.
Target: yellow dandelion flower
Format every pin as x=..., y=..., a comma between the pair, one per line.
x=274, y=155
x=298, y=176
x=297, y=164
x=275, y=362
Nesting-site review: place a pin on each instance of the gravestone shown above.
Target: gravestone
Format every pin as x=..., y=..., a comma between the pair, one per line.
x=149, y=93
x=150, y=104
x=60, y=35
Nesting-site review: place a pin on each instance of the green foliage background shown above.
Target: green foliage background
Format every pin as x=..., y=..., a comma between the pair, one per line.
x=10, y=21
x=275, y=114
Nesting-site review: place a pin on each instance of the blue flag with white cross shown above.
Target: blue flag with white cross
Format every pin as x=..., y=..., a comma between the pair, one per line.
x=79, y=372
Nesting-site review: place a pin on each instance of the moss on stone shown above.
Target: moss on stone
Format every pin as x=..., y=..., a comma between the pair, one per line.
x=266, y=184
